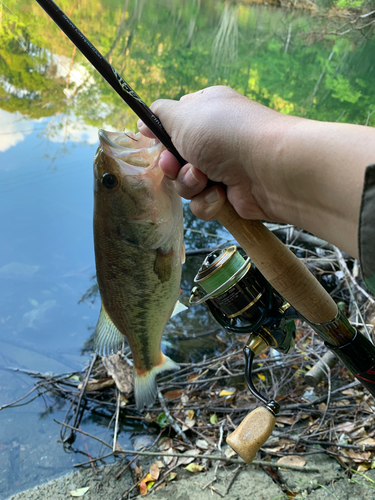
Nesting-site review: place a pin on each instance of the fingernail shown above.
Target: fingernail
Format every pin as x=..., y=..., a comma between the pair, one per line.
x=190, y=180
x=212, y=196
x=140, y=124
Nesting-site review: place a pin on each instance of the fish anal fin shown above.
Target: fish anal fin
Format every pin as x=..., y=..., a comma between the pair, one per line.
x=163, y=264
x=108, y=339
x=178, y=307
x=145, y=388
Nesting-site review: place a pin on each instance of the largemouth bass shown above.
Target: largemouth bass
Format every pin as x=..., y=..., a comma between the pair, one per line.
x=138, y=239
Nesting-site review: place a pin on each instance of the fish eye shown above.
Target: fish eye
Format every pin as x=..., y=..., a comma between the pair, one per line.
x=109, y=181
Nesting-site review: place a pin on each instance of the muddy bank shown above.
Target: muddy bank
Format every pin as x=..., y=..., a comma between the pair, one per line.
x=219, y=481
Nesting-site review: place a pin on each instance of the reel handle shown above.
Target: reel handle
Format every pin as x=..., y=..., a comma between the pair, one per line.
x=252, y=433
x=280, y=266
x=286, y=273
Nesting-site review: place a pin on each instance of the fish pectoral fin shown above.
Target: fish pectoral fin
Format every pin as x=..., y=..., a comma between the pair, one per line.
x=163, y=264
x=108, y=339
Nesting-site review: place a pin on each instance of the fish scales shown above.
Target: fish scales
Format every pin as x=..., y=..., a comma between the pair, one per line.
x=138, y=237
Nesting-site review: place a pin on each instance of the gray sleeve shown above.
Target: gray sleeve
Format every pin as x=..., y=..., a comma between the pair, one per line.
x=366, y=230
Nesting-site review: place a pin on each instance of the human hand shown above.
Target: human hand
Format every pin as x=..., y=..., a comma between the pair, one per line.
x=224, y=137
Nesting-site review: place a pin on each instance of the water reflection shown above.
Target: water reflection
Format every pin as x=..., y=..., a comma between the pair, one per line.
x=51, y=105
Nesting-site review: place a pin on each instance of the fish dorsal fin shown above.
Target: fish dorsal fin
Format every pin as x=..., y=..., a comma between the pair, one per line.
x=108, y=339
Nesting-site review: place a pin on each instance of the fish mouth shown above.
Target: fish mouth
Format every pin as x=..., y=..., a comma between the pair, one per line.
x=135, y=149
x=117, y=140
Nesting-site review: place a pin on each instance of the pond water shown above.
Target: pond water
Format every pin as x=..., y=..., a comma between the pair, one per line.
x=51, y=106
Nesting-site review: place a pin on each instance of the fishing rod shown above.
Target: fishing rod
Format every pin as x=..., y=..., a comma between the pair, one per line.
x=279, y=287
x=118, y=84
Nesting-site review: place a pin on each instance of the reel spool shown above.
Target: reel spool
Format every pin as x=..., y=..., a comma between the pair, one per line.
x=242, y=301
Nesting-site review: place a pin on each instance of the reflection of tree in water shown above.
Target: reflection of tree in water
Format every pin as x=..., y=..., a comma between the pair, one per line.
x=225, y=45
x=177, y=49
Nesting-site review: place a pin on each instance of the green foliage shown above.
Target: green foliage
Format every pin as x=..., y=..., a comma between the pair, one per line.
x=344, y=4
x=180, y=48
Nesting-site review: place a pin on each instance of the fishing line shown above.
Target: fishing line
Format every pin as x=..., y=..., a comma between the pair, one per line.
x=70, y=95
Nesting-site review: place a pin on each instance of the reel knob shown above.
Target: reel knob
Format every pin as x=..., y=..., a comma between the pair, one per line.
x=252, y=433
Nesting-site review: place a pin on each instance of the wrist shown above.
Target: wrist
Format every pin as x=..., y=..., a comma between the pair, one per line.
x=267, y=164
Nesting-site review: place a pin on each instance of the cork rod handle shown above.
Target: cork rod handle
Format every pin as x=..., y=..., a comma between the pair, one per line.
x=280, y=266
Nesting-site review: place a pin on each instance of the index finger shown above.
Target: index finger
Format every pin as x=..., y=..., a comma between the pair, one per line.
x=144, y=130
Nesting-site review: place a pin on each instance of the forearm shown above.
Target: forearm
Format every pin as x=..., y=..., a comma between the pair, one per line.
x=322, y=167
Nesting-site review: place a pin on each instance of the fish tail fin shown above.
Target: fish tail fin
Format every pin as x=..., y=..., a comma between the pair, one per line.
x=108, y=339
x=145, y=387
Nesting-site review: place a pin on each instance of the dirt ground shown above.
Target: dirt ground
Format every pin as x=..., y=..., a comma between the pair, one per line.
x=253, y=482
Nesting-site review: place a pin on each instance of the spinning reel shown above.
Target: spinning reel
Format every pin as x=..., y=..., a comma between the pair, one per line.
x=242, y=301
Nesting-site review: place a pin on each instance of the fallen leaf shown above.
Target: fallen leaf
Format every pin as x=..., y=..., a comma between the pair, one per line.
x=363, y=467
x=146, y=483
x=350, y=392
x=149, y=418
x=367, y=441
x=162, y=420
x=190, y=457
x=202, y=444
x=292, y=460
x=121, y=373
x=189, y=423
x=142, y=488
x=123, y=400
x=361, y=432
x=190, y=414
x=172, y=476
x=194, y=467
x=227, y=392
x=345, y=427
x=79, y=492
x=174, y=394
x=213, y=419
x=168, y=460
x=154, y=471
x=229, y=453
x=165, y=443
x=356, y=457
x=286, y=420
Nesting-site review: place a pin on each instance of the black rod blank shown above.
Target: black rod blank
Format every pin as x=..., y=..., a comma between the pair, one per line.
x=124, y=90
